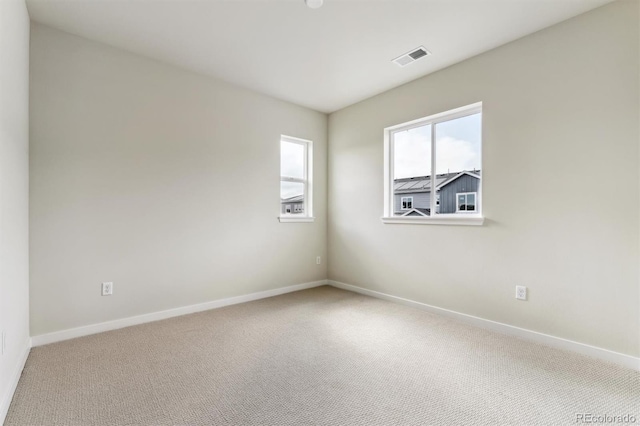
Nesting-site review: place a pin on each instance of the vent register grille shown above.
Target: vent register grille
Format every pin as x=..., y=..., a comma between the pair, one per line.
x=411, y=57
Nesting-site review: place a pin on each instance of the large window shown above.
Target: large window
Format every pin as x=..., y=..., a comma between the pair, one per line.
x=296, y=191
x=436, y=163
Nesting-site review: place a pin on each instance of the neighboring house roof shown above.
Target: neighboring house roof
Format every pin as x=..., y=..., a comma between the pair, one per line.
x=295, y=199
x=423, y=183
x=417, y=212
x=472, y=174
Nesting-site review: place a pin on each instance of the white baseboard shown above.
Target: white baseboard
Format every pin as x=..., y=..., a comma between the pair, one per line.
x=545, y=339
x=13, y=382
x=72, y=333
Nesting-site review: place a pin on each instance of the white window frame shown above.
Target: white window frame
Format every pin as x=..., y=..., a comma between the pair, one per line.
x=465, y=198
x=306, y=180
x=402, y=203
x=388, y=216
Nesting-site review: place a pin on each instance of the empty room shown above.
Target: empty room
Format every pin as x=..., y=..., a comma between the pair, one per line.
x=319, y=212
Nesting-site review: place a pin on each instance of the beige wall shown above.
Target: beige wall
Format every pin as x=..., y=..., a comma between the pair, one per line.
x=561, y=186
x=14, y=191
x=160, y=180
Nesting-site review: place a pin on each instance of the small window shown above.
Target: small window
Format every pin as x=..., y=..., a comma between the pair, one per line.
x=434, y=165
x=407, y=203
x=466, y=202
x=296, y=191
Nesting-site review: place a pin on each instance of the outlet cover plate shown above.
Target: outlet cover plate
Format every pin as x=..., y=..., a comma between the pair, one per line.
x=107, y=289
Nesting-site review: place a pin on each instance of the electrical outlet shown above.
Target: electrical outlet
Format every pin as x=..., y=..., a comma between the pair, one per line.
x=521, y=292
x=107, y=289
x=318, y=260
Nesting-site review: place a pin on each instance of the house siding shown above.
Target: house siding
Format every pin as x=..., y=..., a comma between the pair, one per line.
x=291, y=204
x=448, y=193
x=421, y=200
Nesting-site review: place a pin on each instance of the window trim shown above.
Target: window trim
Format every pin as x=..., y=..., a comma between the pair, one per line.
x=307, y=181
x=438, y=219
x=402, y=202
x=466, y=194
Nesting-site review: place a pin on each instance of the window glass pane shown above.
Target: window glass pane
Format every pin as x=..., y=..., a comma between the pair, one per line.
x=292, y=197
x=412, y=169
x=292, y=160
x=471, y=202
x=461, y=202
x=412, y=153
x=458, y=150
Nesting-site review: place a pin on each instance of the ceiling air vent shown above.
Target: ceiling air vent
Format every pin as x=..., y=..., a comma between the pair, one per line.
x=412, y=56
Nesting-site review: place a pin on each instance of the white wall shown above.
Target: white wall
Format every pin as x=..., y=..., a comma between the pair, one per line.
x=561, y=123
x=163, y=181
x=14, y=192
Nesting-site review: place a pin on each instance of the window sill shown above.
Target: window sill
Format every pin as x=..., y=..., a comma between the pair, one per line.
x=292, y=219
x=443, y=220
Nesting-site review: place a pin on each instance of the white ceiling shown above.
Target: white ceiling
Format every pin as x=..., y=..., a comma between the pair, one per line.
x=324, y=58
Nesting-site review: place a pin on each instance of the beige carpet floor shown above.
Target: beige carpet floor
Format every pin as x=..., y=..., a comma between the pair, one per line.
x=315, y=357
